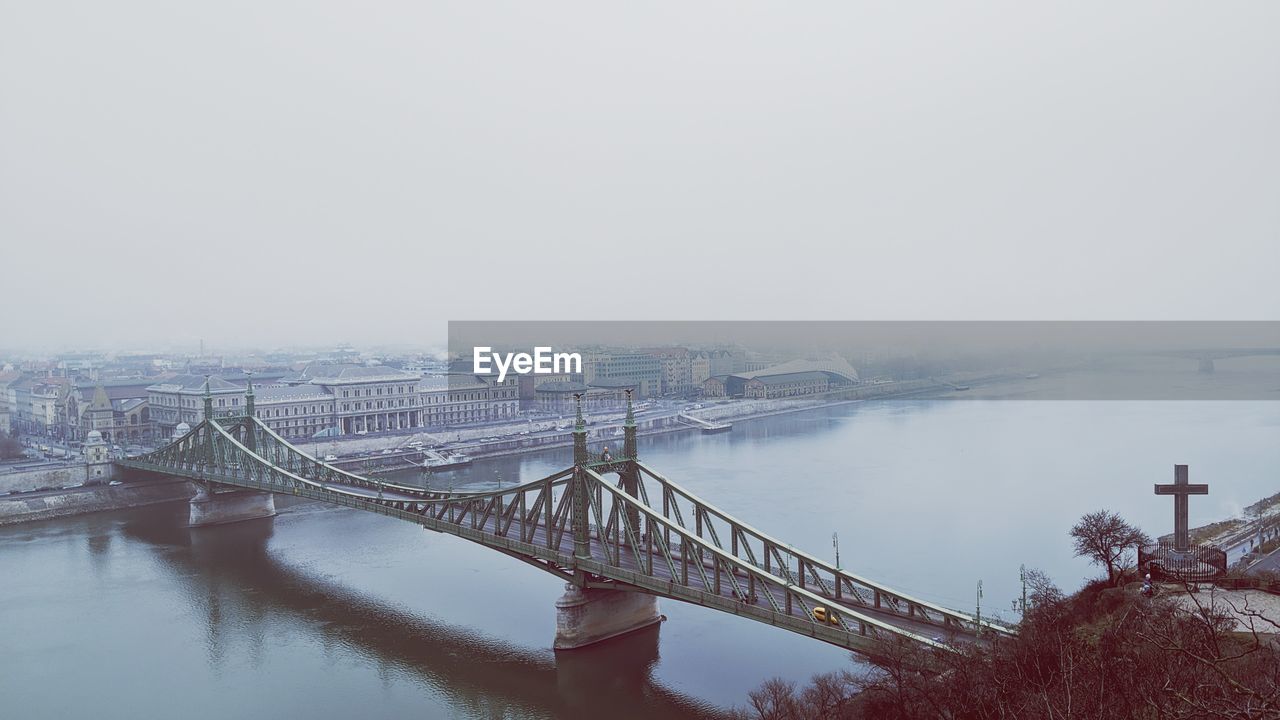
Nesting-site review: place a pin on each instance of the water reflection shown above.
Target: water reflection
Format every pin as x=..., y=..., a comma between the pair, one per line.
x=231, y=576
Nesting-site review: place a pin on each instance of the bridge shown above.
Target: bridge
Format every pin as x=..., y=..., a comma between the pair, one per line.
x=619, y=545
x=1206, y=356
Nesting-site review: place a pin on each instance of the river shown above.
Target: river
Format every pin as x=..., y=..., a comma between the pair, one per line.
x=329, y=612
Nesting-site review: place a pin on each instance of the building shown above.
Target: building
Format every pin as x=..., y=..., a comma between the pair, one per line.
x=116, y=421
x=721, y=362
x=17, y=397
x=786, y=385
x=528, y=384
x=45, y=397
x=797, y=377
x=699, y=369
x=366, y=399
x=328, y=400
x=641, y=368
x=676, y=370
x=7, y=378
x=716, y=386
x=180, y=399
x=464, y=399
x=558, y=397
x=121, y=393
x=296, y=412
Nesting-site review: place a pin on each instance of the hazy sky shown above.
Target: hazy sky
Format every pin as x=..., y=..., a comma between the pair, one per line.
x=278, y=172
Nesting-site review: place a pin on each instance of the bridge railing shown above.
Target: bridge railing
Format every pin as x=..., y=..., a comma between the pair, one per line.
x=673, y=543
x=796, y=566
x=703, y=566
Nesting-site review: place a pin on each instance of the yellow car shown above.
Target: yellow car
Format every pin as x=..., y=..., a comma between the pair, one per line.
x=823, y=616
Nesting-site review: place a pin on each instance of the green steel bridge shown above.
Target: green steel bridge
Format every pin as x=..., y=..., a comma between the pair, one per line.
x=642, y=533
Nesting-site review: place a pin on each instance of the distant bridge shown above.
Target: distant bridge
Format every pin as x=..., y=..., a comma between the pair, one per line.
x=618, y=543
x=1206, y=356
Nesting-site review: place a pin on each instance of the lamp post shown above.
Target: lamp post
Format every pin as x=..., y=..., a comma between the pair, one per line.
x=979, y=612
x=835, y=543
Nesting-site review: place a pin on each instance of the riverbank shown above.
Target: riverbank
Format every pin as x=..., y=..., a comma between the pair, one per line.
x=1257, y=530
x=735, y=411
x=44, y=505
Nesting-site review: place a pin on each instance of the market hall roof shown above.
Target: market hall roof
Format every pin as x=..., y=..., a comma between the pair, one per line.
x=347, y=374
x=195, y=384
x=831, y=366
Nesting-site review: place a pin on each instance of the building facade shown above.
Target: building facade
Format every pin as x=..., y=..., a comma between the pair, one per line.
x=180, y=399
x=559, y=398
x=335, y=400
x=788, y=385
x=640, y=368
x=464, y=399
x=676, y=370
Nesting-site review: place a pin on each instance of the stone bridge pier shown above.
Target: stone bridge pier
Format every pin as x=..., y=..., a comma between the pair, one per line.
x=585, y=616
x=213, y=507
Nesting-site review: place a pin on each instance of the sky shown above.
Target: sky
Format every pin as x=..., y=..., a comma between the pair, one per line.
x=281, y=173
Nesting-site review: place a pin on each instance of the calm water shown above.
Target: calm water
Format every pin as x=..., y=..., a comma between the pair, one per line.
x=326, y=612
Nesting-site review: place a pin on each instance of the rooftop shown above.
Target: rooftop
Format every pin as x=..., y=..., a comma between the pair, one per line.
x=195, y=384
x=346, y=373
x=295, y=392
x=836, y=366
x=561, y=386
x=792, y=377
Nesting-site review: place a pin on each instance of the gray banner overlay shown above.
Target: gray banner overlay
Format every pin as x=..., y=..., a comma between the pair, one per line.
x=1058, y=360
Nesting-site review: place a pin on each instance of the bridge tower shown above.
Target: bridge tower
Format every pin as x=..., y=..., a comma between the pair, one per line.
x=581, y=518
x=631, y=475
x=249, y=434
x=214, y=506
x=588, y=615
x=208, y=401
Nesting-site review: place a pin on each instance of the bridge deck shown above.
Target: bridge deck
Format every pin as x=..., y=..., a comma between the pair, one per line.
x=663, y=573
x=628, y=543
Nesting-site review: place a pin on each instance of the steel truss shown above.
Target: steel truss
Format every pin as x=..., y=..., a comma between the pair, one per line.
x=642, y=533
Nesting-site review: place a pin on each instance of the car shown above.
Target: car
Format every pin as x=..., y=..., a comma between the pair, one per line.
x=115, y=482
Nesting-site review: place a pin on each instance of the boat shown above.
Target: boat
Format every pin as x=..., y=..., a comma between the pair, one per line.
x=443, y=461
x=1032, y=376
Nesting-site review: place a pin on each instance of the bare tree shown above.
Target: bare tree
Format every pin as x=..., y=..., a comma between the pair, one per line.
x=1105, y=538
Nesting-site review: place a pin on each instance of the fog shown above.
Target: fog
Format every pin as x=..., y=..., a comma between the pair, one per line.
x=273, y=173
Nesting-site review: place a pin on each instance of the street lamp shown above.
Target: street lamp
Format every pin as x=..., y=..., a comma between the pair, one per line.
x=835, y=543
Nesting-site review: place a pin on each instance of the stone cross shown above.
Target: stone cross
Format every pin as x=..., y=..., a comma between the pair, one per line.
x=1180, y=489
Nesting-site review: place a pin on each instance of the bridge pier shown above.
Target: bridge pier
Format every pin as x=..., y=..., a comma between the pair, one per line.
x=585, y=616
x=215, y=508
